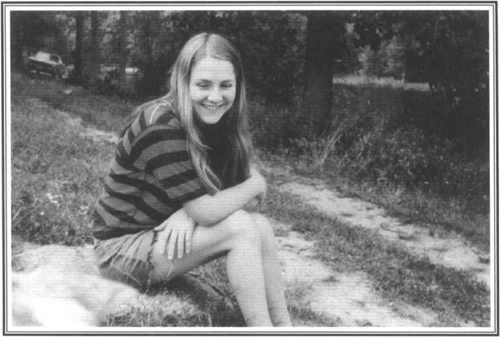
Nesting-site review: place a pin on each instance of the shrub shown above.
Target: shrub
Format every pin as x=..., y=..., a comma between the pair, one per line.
x=382, y=134
x=275, y=127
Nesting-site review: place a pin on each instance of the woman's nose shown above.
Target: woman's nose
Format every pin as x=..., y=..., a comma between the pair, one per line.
x=215, y=95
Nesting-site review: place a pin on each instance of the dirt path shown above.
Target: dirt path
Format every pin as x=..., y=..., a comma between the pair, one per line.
x=450, y=251
x=346, y=298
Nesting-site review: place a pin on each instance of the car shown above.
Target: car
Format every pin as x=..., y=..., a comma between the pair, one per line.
x=47, y=63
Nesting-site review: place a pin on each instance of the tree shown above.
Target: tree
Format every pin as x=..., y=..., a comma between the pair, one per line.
x=271, y=44
x=450, y=51
x=94, y=61
x=327, y=53
x=123, y=47
x=153, y=51
x=28, y=30
x=79, y=45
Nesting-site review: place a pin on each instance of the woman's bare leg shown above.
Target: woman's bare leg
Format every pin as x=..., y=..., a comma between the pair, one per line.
x=237, y=237
x=275, y=293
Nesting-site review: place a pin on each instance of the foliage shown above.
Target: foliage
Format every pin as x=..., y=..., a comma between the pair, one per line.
x=153, y=51
x=30, y=29
x=450, y=51
x=447, y=49
x=381, y=135
x=274, y=127
x=410, y=159
x=271, y=44
x=458, y=71
x=386, y=62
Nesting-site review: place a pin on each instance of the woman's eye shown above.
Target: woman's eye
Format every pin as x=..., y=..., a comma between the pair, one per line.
x=203, y=85
x=227, y=86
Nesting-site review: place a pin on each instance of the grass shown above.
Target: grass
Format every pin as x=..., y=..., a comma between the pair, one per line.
x=363, y=80
x=57, y=174
x=104, y=113
x=207, y=289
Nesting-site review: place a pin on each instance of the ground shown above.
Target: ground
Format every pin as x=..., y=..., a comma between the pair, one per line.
x=346, y=299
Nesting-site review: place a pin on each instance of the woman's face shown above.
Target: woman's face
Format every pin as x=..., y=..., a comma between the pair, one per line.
x=212, y=88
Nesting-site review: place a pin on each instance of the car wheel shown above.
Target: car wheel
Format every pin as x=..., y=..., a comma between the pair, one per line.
x=60, y=73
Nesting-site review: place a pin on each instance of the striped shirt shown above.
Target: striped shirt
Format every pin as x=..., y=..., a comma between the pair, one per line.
x=150, y=178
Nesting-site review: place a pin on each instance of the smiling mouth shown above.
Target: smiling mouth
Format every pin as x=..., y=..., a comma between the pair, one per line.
x=212, y=108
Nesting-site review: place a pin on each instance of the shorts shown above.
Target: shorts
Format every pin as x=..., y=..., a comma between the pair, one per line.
x=127, y=258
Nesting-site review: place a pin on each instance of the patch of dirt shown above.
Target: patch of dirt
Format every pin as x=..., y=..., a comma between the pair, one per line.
x=346, y=298
x=59, y=287
x=450, y=251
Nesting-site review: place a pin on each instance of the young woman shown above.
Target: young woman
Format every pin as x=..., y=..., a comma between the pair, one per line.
x=182, y=191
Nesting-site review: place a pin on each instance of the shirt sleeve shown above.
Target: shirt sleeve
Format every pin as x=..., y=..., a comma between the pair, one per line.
x=161, y=150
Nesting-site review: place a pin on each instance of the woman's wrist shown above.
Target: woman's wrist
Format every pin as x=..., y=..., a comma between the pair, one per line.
x=209, y=209
x=258, y=183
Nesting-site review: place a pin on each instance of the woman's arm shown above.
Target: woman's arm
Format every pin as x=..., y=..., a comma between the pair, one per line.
x=210, y=209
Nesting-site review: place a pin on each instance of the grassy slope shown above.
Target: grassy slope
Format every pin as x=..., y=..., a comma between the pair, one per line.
x=54, y=192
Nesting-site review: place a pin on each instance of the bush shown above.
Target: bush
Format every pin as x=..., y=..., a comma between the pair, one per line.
x=464, y=123
x=378, y=135
x=274, y=127
x=401, y=157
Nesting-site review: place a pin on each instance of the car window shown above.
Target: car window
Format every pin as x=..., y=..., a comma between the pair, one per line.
x=54, y=58
x=43, y=56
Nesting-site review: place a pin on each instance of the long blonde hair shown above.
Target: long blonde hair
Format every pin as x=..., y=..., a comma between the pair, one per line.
x=239, y=148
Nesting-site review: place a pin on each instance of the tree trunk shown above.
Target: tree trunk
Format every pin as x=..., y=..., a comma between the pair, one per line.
x=16, y=44
x=324, y=44
x=95, y=59
x=78, y=54
x=122, y=67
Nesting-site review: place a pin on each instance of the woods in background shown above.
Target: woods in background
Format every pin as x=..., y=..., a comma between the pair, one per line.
x=291, y=59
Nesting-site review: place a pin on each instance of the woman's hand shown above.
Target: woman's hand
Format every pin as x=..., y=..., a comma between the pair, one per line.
x=252, y=205
x=177, y=229
x=211, y=209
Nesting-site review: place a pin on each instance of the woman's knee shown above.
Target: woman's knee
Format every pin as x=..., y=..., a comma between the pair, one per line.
x=263, y=225
x=240, y=225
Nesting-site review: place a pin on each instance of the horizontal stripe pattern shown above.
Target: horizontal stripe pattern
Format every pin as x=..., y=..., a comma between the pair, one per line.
x=150, y=177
